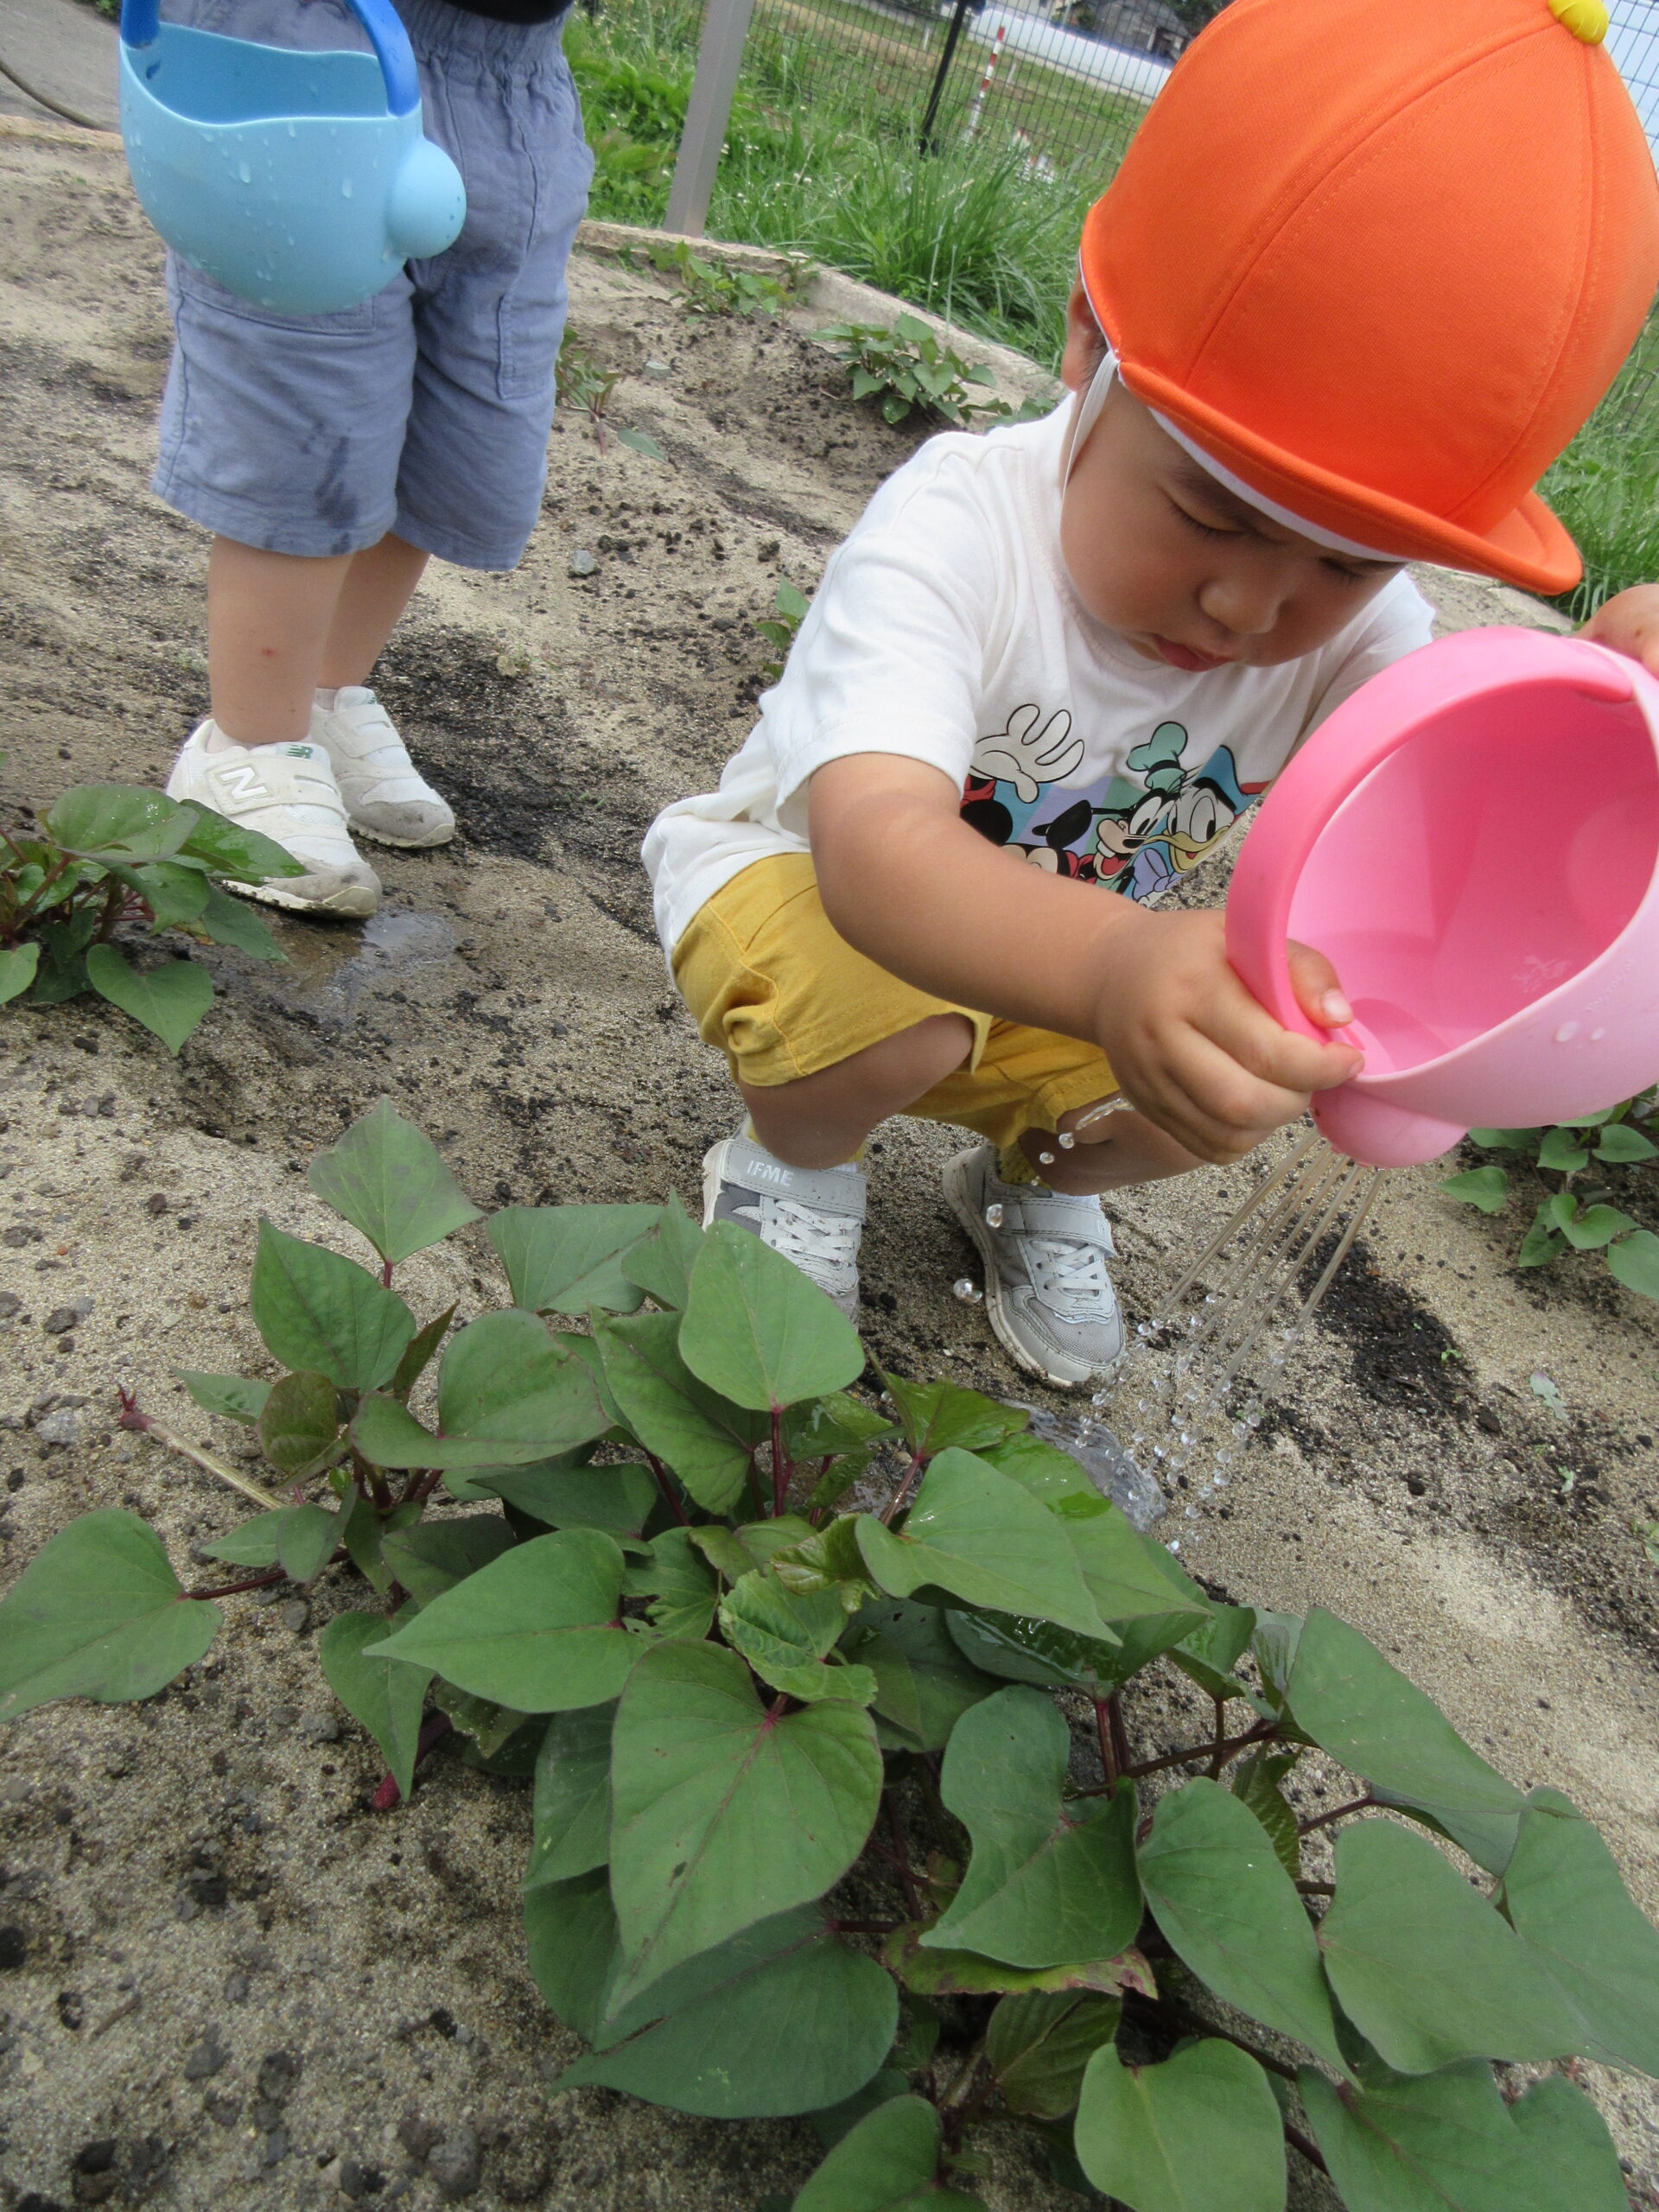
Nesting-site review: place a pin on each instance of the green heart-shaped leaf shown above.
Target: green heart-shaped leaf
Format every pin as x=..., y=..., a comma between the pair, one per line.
x=123, y=822
x=569, y=1259
x=432, y=1556
x=168, y=999
x=318, y=1311
x=571, y=1822
x=1199, y=2133
x=888, y=2162
x=1039, y=2048
x=507, y=1378
x=380, y=1696
x=923, y=1684
x=708, y=1442
x=758, y=1332
x=388, y=1179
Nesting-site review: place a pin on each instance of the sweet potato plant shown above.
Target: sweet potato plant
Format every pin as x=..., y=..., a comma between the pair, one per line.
x=834, y=1808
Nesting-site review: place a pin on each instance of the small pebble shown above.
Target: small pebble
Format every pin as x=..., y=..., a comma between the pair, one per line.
x=205, y=2057
x=9, y=1304
x=157, y=1202
x=294, y=1615
x=456, y=2164
x=320, y=1728
x=581, y=563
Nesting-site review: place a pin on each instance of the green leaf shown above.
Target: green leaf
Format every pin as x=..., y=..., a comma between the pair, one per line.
x=726, y=1813
x=363, y=1532
x=227, y=921
x=619, y=1500
x=1228, y=1909
x=1541, y=1243
x=781, y=2018
x=571, y=1822
x=236, y=1396
x=170, y=1001
x=508, y=1378
x=534, y=1629
x=387, y=1178
x=251, y=1543
x=388, y=1435
x=661, y=1264
x=1435, y=2143
x=1199, y=2133
x=923, y=1684
x=175, y=894
x=1595, y=1226
x=1485, y=1187
x=888, y=2162
x=432, y=1556
x=1049, y=1881
x=121, y=822
x=1040, y=2046
x=1563, y=1150
x=1209, y=1655
x=17, y=966
x=734, y=1552
x=419, y=1352
x=1347, y=1698
x=937, y=1415
x=979, y=1536
x=1033, y=1651
x=491, y=1728
x=758, y=1332
x=784, y=1637
x=1257, y=1783
x=1563, y=2133
x=569, y=1259
x=243, y=856
x=1506, y=1140
x=833, y=2121
x=828, y=1558
x=97, y=1612
x=1051, y=1476
x=823, y=1428
x=641, y=441
x=380, y=1696
x=706, y=1441
x=1635, y=1261
x=679, y=1583
x=1424, y=1966
x=1621, y=1144
x=570, y=1936
x=1131, y=1577
x=299, y=1423
x=1563, y=1896
x=320, y=1311
x=965, y=1973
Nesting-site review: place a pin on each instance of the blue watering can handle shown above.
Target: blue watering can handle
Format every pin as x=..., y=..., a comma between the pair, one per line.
x=141, y=20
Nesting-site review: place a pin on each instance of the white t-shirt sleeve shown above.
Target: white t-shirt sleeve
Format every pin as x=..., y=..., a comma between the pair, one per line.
x=1396, y=622
x=891, y=656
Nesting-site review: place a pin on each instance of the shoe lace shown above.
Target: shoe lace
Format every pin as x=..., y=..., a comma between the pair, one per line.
x=1069, y=1275
x=811, y=1238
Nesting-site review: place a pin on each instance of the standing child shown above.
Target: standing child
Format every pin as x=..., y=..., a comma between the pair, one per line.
x=1362, y=273
x=331, y=455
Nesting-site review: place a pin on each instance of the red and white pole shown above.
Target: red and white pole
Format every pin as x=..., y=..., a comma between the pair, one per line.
x=996, y=55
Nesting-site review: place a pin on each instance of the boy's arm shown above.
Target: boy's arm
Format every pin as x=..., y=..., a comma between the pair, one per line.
x=913, y=886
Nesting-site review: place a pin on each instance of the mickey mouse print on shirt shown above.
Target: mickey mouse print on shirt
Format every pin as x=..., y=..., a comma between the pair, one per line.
x=1136, y=838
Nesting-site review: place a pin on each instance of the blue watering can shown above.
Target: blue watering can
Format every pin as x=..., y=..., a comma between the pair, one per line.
x=301, y=180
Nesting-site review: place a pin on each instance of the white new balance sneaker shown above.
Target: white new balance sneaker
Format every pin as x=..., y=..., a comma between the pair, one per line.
x=1049, y=1297
x=386, y=797
x=814, y=1217
x=288, y=792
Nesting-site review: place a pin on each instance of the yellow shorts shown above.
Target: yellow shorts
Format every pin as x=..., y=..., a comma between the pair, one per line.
x=771, y=984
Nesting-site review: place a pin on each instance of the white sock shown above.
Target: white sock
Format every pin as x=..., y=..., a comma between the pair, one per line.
x=328, y=696
x=216, y=741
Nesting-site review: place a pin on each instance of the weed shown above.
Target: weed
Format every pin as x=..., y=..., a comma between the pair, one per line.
x=1579, y=1215
x=1646, y=1534
x=912, y=367
x=811, y=1830
x=712, y=287
x=586, y=384
x=788, y=611
x=116, y=857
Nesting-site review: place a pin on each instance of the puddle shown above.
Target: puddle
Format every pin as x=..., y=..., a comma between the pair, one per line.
x=330, y=971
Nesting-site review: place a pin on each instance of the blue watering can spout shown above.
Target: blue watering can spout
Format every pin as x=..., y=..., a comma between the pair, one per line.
x=301, y=180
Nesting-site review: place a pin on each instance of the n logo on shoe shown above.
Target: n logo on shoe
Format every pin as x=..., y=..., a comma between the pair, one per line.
x=242, y=780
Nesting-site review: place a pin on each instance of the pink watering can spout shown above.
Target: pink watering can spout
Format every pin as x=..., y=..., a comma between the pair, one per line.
x=1472, y=839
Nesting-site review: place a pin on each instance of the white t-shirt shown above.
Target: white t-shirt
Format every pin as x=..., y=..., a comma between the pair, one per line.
x=946, y=630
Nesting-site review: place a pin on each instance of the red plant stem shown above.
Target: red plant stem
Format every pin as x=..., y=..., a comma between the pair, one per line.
x=386, y=1274
x=1108, y=1749
x=1229, y=1747
x=1337, y=1813
x=434, y=1728
x=864, y=1927
x=1218, y=1759
x=1120, y=1733
x=901, y=1845
x=780, y=1466
x=900, y=1497
x=230, y=1589
x=667, y=1488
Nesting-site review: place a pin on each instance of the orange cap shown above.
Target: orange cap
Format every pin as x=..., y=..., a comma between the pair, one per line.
x=1381, y=258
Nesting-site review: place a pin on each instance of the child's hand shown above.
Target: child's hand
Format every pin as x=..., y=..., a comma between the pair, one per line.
x=1196, y=1053
x=1630, y=624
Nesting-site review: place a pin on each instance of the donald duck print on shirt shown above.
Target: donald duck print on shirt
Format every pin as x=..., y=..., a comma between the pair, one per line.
x=1134, y=836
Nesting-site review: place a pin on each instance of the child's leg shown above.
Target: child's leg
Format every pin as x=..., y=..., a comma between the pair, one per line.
x=268, y=617
x=821, y=1120
x=379, y=583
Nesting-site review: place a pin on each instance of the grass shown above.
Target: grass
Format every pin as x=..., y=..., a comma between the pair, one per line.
x=1605, y=486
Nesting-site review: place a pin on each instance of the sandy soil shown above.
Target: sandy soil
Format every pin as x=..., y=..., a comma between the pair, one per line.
x=223, y=1981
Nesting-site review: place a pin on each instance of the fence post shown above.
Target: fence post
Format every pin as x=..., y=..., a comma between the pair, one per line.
x=951, y=38
x=725, y=26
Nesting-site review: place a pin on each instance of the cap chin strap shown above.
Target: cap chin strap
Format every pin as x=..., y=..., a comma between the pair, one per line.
x=1087, y=414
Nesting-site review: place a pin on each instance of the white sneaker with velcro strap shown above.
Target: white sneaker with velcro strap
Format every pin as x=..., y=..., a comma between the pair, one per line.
x=386, y=797
x=814, y=1217
x=288, y=792
x=1047, y=1293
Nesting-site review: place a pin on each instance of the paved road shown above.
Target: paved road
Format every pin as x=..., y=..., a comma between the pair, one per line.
x=64, y=48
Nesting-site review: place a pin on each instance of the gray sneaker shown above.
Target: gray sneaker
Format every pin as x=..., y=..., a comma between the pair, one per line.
x=814, y=1217
x=386, y=797
x=1049, y=1297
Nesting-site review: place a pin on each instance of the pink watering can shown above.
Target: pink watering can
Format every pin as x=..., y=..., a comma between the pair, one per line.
x=1472, y=839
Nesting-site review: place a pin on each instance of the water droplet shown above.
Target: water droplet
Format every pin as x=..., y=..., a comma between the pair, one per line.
x=967, y=1290
x=994, y=1214
x=1566, y=1033
x=1596, y=1036
x=345, y=187
x=244, y=173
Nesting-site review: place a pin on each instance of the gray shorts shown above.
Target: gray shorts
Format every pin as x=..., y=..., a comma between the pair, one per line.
x=426, y=409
